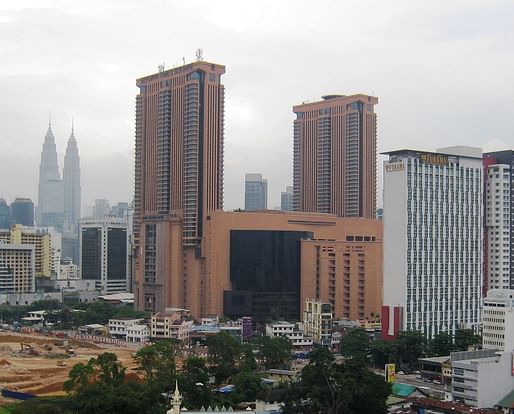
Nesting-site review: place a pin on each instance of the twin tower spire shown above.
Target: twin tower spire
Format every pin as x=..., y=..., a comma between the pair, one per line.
x=59, y=200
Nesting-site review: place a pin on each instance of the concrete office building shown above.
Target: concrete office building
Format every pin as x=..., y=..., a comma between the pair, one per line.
x=22, y=212
x=50, y=205
x=44, y=260
x=432, y=241
x=499, y=220
x=286, y=199
x=317, y=321
x=69, y=270
x=334, y=156
x=71, y=183
x=178, y=177
x=17, y=268
x=104, y=254
x=264, y=265
x=481, y=378
x=256, y=192
x=498, y=320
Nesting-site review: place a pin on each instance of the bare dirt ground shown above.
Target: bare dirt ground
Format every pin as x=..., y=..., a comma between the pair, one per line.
x=39, y=371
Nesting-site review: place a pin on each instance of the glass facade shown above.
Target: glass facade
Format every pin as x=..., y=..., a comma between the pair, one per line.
x=117, y=253
x=91, y=254
x=265, y=274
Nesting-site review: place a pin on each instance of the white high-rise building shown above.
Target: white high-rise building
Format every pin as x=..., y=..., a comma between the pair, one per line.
x=432, y=241
x=499, y=223
x=498, y=320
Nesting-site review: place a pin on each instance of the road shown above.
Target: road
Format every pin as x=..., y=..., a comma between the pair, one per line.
x=417, y=382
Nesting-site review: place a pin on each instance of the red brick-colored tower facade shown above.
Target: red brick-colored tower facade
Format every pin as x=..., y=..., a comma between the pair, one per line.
x=334, y=156
x=178, y=177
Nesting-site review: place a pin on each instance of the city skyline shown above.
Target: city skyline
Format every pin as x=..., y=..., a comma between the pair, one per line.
x=394, y=68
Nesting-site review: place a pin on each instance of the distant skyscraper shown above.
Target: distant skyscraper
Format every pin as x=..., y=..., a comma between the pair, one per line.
x=286, y=199
x=499, y=220
x=178, y=179
x=432, y=241
x=256, y=192
x=120, y=210
x=102, y=209
x=334, y=156
x=50, y=206
x=5, y=214
x=22, y=211
x=71, y=181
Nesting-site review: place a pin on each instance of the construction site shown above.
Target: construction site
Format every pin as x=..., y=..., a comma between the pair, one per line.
x=40, y=365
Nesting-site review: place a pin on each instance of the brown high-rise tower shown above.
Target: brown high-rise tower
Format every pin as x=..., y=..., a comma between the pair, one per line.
x=334, y=156
x=178, y=178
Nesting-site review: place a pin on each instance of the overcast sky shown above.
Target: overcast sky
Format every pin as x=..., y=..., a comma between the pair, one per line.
x=443, y=72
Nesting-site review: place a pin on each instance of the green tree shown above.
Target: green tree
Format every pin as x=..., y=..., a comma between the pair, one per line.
x=356, y=344
x=42, y=406
x=464, y=338
x=223, y=353
x=157, y=361
x=127, y=311
x=248, y=362
x=410, y=345
x=274, y=352
x=106, y=369
x=382, y=352
x=441, y=344
x=193, y=382
x=330, y=388
x=247, y=386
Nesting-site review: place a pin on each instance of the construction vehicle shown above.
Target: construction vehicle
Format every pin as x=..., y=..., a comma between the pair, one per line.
x=28, y=349
x=60, y=363
x=70, y=351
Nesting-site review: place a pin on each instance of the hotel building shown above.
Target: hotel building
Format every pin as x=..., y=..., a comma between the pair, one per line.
x=432, y=241
x=334, y=156
x=189, y=254
x=178, y=178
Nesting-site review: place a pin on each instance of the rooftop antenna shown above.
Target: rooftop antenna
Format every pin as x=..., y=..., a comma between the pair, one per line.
x=199, y=54
x=49, y=119
x=72, y=129
x=183, y=60
x=161, y=67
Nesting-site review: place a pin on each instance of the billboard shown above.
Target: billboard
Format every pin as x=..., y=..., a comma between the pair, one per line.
x=390, y=372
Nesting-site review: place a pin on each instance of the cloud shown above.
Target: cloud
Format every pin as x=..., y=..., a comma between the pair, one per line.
x=443, y=74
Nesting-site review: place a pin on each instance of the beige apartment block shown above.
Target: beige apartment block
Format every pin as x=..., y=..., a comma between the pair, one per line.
x=17, y=268
x=41, y=241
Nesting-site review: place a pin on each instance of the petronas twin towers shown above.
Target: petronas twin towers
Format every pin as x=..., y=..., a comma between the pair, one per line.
x=59, y=199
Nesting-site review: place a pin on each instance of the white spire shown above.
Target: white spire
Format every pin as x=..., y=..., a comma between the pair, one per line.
x=176, y=402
